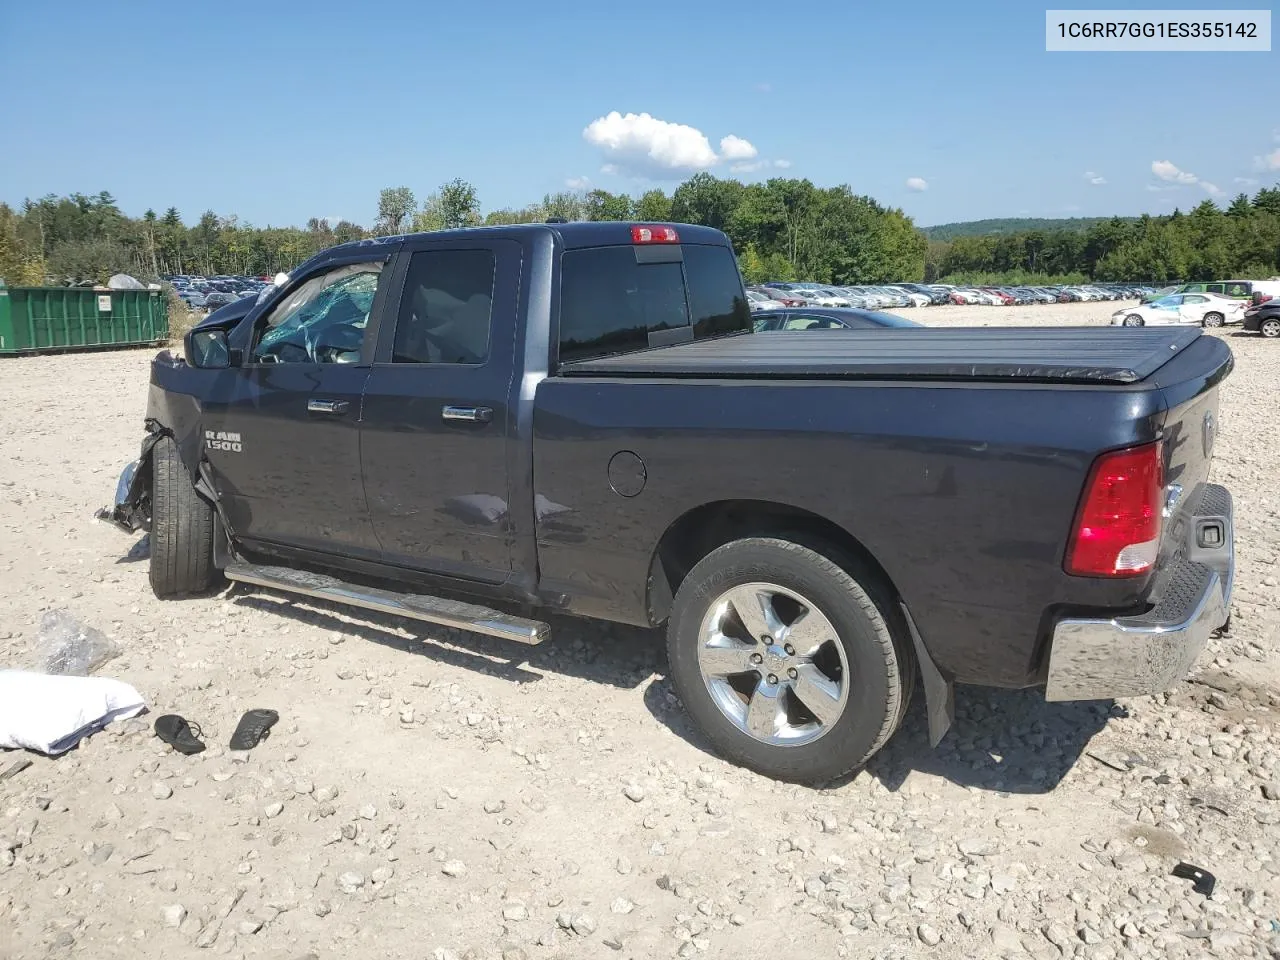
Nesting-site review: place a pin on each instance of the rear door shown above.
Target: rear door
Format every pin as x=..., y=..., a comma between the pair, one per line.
x=284, y=444
x=437, y=410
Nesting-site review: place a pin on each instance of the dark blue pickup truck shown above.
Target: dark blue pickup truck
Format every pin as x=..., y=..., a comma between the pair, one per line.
x=472, y=427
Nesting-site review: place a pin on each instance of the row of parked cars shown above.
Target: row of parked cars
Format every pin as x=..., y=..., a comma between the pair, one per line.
x=210, y=293
x=777, y=294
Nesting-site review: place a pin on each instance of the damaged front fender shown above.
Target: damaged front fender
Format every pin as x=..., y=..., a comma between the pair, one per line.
x=131, y=511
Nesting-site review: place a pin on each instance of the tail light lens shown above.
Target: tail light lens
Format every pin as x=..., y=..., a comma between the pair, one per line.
x=1117, y=528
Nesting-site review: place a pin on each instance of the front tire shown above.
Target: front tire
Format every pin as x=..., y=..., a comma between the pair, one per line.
x=1133, y=320
x=181, y=528
x=1214, y=320
x=791, y=664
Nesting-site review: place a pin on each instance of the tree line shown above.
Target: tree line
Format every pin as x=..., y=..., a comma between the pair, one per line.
x=1207, y=243
x=782, y=229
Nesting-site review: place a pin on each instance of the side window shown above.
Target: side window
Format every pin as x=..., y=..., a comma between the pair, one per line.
x=1193, y=288
x=716, y=302
x=810, y=323
x=1195, y=299
x=446, y=309
x=1213, y=287
x=1237, y=290
x=323, y=320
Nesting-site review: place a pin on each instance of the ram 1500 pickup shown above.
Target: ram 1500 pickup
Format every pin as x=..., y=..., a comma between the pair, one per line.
x=476, y=427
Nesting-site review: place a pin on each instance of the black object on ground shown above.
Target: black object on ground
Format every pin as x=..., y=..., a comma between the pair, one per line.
x=1204, y=880
x=254, y=727
x=179, y=733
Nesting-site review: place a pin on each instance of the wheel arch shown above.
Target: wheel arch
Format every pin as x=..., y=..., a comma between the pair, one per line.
x=698, y=531
x=702, y=529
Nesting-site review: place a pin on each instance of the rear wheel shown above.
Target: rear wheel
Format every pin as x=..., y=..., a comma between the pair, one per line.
x=1270, y=328
x=789, y=663
x=1214, y=319
x=181, y=528
x=1133, y=320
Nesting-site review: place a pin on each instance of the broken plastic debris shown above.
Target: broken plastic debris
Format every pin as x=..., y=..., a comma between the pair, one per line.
x=67, y=646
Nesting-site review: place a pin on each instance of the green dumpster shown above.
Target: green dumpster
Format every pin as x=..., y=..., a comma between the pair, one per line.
x=79, y=318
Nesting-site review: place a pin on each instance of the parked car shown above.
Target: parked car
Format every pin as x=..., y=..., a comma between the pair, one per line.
x=571, y=417
x=1264, y=318
x=779, y=295
x=759, y=302
x=811, y=318
x=1200, y=309
x=819, y=298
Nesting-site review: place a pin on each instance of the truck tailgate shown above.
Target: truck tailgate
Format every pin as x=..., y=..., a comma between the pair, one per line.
x=1096, y=355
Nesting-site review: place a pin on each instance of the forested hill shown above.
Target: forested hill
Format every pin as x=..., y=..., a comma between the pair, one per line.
x=944, y=232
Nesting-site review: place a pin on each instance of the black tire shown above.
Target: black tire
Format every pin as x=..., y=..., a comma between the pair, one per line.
x=1133, y=320
x=1214, y=320
x=1270, y=328
x=181, y=528
x=869, y=628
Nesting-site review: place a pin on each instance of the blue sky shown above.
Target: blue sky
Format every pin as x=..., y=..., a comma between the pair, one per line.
x=278, y=112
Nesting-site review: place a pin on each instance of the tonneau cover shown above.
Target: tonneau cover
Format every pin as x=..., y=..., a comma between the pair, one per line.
x=1051, y=354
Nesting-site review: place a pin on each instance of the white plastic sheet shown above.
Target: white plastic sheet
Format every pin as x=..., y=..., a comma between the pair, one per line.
x=50, y=714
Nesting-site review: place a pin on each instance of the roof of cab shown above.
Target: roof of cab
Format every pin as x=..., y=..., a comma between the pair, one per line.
x=572, y=235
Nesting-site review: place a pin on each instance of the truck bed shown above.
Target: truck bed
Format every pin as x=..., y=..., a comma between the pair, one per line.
x=1094, y=355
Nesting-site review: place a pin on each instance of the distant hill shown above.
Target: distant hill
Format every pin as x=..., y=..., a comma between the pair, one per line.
x=981, y=228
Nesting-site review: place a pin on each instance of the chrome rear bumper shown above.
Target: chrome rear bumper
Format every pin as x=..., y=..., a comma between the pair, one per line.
x=1128, y=656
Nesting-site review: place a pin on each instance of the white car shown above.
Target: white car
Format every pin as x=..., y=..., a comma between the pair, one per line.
x=758, y=301
x=820, y=298
x=1198, y=309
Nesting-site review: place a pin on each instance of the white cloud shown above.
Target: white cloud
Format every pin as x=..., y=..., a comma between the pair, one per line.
x=747, y=166
x=1245, y=181
x=735, y=148
x=782, y=164
x=1096, y=179
x=1171, y=174
x=1270, y=161
x=1211, y=188
x=917, y=184
x=642, y=145
x=578, y=183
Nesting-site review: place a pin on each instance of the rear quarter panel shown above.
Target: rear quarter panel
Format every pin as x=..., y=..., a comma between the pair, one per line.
x=965, y=493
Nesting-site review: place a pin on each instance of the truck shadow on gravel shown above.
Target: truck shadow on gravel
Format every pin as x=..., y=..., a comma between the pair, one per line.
x=1009, y=741
x=609, y=654
x=1005, y=741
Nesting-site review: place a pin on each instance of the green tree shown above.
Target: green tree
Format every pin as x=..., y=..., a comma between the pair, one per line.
x=458, y=205
x=395, y=208
x=603, y=205
x=654, y=206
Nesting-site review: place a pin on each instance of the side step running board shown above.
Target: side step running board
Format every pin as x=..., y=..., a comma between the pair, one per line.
x=448, y=613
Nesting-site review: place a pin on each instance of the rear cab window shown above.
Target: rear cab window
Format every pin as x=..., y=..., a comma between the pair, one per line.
x=619, y=299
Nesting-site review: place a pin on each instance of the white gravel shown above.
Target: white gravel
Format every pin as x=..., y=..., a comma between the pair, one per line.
x=429, y=794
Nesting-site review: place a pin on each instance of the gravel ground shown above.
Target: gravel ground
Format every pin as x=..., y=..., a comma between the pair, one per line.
x=435, y=795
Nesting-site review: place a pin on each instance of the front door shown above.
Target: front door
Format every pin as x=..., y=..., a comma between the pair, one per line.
x=436, y=410
x=285, y=444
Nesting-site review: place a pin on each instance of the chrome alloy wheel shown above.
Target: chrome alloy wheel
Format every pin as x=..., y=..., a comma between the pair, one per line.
x=773, y=664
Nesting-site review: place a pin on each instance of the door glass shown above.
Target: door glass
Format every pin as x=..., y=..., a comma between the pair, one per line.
x=323, y=320
x=1213, y=287
x=445, y=311
x=810, y=323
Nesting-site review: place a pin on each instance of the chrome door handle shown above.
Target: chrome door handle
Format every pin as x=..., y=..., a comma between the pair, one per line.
x=469, y=414
x=337, y=407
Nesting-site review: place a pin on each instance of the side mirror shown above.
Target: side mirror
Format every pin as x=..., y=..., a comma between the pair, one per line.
x=209, y=350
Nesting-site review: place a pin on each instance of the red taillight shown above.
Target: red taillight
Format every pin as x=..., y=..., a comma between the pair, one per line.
x=654, y=234
x=1117, y=530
